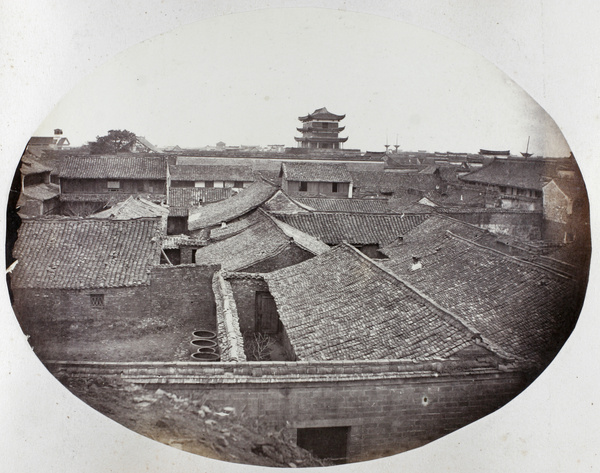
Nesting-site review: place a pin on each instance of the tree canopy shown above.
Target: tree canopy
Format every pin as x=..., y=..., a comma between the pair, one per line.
x=116, y=141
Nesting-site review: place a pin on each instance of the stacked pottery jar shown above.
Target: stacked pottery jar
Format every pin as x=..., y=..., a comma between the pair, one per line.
x=205, y=346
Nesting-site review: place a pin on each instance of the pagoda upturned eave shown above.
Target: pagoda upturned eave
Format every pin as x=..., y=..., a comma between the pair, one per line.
x=321, y=114
x=321, y=139
x=311, y=129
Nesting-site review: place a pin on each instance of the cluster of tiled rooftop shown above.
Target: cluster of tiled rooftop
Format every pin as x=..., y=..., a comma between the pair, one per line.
x=354, y=228
x=523, y=307
x=262, y=238
x=513, y=173
x=341, y=305
x=69, y=253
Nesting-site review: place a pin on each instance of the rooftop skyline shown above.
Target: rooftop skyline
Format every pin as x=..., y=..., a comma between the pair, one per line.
x=234, y=79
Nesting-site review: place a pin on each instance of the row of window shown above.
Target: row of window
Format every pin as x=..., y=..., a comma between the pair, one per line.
x=304, y=186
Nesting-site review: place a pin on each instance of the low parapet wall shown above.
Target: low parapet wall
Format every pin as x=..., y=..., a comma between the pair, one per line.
x=388, y=406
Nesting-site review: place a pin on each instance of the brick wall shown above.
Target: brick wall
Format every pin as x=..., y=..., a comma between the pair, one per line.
x=390, y=406
x=141, y=323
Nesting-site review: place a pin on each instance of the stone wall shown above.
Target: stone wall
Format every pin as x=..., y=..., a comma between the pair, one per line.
x=389, y=406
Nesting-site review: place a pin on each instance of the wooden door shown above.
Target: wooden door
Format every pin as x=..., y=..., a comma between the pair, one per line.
x=267, y=318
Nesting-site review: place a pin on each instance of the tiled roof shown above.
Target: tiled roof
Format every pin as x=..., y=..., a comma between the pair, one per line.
x=341, y=306
x=113, y=167
x=369, y=206
x=67, y=253
x=282, y=203
x=264, y=237
x=211, y=172
x=431, y=233
x=39, y=192
x=520, y=306
x=321, y=114
x=226, y=210
x=356, y=229
x=133, y=207
x=315, y=172
x=144, y=142
x=181, y=199
x=41, y=140
x=506, y=172
x=30, y=164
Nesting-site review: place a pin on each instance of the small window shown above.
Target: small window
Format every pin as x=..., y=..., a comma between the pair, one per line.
x=334, y=187
x=303, y=186
x=97, y=300
x=114, y=186
x=140, y=186
x=209, y=183
x=238, y=185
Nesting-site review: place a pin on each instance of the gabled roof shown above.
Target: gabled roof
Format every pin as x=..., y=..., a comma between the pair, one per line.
x=509, y=172
x=263, y=238
x=226, y=210
x=74, y=253
x=113, y=167
x=283, y=203
x=315, y=172
x=354, y=228
x=431, y=233
x=571, y=188
x=368, y=206
x=341, y=306
x=133, y=207
x=181, y=199
x=211, y=172
x=522, y=307
x=321, y=114
x=145, y=143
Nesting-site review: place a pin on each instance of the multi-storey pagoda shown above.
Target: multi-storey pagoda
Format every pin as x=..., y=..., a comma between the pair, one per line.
x=320, y=129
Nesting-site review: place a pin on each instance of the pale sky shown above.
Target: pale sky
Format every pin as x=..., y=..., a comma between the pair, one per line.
x=245, y=78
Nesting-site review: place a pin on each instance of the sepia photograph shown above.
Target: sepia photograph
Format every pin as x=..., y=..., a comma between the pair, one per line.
x=297, y=237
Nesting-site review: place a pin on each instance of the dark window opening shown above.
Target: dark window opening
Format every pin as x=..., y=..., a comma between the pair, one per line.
x=303, y=186
x=238, y=184
x=326, y=442
x=334, y=187
x=97, y=300
x=140, y=186
x=209, y=183
x=171, y=256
